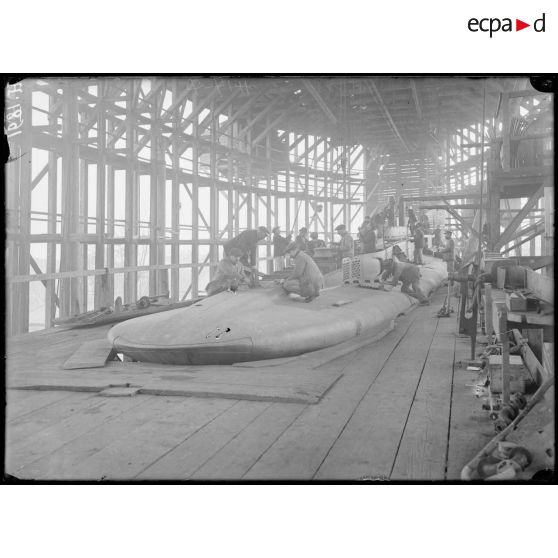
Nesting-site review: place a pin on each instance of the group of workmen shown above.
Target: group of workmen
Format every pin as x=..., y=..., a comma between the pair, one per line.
x=305, y=280
x=239, y=265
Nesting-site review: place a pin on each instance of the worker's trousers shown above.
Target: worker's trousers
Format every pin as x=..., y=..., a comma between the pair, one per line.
x=418, y=256
x=278, y=263
x=416, y=292
x=301, y=288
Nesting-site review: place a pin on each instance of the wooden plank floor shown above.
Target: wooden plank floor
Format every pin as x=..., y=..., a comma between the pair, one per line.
x=401, y=410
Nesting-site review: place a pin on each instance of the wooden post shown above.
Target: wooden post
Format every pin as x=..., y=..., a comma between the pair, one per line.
x=132, y=186
x=503, y=327
x=506, y=122
x=548, y=238
x=489, y=327
x=101, y=282
x=269, y=225
x=213, y=196
x=108, y=286
x=70, y=201
x=195, y=192
x=175, y=216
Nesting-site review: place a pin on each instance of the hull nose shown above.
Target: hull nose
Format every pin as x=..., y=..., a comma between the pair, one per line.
x=211, y=352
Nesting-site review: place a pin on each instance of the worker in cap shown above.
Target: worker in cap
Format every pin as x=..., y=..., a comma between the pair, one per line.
x=367, y=237
x=230, y=274
x=418, y=239
x=346, y=247
x=408, y=274
x=280, y=243
x=412, y=221
x=314, y=243
x=437, y=236
x=247, y=242
x=448, y=253
x=306, y=278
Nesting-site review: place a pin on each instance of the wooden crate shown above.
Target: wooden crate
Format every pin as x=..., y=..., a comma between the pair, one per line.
x=520, y=377
x=516, y=303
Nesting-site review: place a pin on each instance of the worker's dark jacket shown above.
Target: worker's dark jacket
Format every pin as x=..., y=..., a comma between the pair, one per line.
x=419, y=239
x=313, y=244
x=407, y=273
x=279, y=245
x=246, y=241
x=347, y=246
x=367, y=240
x=448, y=251
x=302, y=242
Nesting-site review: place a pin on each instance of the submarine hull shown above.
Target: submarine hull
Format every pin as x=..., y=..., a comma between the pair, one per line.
x=264, y=324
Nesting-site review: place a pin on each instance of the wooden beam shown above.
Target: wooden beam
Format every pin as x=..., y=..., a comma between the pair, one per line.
x=220, y=108
x=376, y=94
x=260, y=114
x=39, y=176
x=442, y=207
x=320, y=100
x=246, y=106
x=38, y=271
x=450, y=209
x=539, y=229
x=416, y=98
x=180, y=98
x=269, y=126
x=442, y=196
x=516, y=221
x=199, y=108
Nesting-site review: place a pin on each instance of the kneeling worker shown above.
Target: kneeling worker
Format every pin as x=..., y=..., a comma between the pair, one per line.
x=408, y=274
x=230, y=274
x=306, y=279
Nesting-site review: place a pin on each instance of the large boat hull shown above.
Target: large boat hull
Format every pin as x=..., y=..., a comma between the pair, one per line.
x=264, y=323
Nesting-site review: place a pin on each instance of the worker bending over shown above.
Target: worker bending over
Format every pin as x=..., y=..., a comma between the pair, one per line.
x=247, y=242
x=408, y=274
x=230, y=274
x=306, y=279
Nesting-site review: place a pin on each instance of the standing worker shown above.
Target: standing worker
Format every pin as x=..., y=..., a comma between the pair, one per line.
x=306, y=279
x=448, y=252
x=346, y=248
x=418, y=239
x=247, y=242
x=230, y=274
x=412, y=220
x=408, y=274
x=367, y=235
x=279, y=245
x=437, y=237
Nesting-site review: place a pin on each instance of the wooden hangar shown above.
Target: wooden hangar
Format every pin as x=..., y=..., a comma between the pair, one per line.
x=121, y=193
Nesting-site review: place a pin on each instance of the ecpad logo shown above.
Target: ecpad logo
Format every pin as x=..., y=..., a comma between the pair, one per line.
x=494, y=24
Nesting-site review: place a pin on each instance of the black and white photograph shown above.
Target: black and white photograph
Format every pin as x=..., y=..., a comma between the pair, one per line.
x=279, y=278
